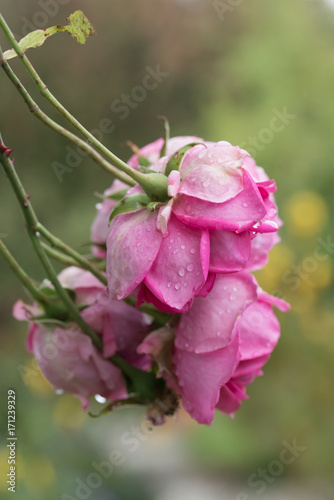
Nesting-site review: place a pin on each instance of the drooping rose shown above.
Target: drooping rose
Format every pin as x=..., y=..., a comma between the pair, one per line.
x=67, y=356
x=218, y=347
x=215, y=210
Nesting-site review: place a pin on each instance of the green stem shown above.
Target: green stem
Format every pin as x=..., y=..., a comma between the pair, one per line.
x=154, y=186
x=32, y=222
x=77, y=258
x=25, y=279
x=36, y=111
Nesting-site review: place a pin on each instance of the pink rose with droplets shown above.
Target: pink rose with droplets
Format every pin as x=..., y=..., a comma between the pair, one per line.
x=151, y=152
x=218, y=347
x=206, y=228
x=67, y=356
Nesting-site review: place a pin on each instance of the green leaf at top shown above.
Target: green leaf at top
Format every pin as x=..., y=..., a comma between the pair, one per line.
x=130, y=204
x=79, y=28
x=175, y=160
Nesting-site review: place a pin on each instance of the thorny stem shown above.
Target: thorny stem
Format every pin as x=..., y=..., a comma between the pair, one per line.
x=32, y=223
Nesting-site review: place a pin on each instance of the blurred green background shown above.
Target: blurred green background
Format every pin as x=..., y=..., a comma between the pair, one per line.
x=230, y=68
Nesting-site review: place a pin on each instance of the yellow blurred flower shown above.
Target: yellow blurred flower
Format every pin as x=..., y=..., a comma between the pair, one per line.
x=306, y=213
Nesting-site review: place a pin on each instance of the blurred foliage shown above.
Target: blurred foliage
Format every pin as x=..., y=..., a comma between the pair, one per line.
x=227, y=80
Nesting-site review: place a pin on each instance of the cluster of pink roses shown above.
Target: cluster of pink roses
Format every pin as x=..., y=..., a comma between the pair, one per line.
x=188, y=256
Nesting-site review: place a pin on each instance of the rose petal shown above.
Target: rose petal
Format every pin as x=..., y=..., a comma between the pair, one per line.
x=238, y=214
x=201, y=376
x=132, y=246
x=229, y=252
x=223, y=306
x=212, y=173
x=181, y=267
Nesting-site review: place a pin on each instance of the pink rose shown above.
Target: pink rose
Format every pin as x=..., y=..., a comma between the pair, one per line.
x=219, y=346
x=68, y=358
x=206, y=228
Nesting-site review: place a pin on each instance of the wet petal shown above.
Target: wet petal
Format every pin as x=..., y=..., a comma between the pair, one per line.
x=230, y=296
x=181, y=267
x=229, y=251
x=240, y=213
x=201, y=376
x=132, y=246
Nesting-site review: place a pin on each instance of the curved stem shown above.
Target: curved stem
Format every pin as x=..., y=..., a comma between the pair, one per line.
x=121, y=165
x=25, y=279
x=36, y=111
x=32, y=222
x=75, y=256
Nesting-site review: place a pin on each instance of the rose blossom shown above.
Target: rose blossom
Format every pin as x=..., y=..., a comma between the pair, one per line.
x=218, y=206
x=67, y=356
x=219, y=346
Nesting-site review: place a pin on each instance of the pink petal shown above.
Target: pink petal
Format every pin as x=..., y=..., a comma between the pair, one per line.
x=239, y=213
x=212, y=173
x=132, y=246
x=145, y=295
x=207, y=287
x=173, y=183
x=201, y=376
x=211, y=323
x=259, y=331
x=229, y=252
x=230, y=398
x=181, y=267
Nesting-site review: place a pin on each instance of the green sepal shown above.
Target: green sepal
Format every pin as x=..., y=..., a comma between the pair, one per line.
x=129, y=204
x=175, y=160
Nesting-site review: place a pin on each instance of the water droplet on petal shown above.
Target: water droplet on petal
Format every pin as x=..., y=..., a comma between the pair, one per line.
x=245, y=205
x=232, y=297
x=202, y=153
x=190, y=267
x=234, y=289
x=198, y=273
x=183, y=247
x=219, y=333
x=185, y=284
x=171, y=240
x=177, y=286
x=182, y=271
x=192, y=251
x=175, y=251
x=186, y=345
x=169, y=284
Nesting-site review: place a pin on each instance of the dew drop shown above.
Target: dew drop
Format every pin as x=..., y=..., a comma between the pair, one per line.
x=175, y=251
x=177, y=286
x=170, y=247
x=169, y=284
x=182, y=271
x=190, y=268
x=232, y=297
x=206, y=183
x=183, y=247
x=198, y=273
x=202, y=153
x=192, y=251
x=235, y=289
x=245, y=205
x=186, y=345
x=219, y=333
x=185, y=284
x=171, y=240
x=228, y=310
